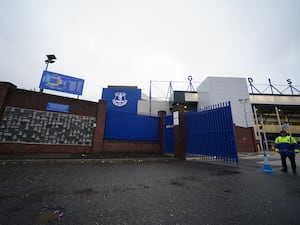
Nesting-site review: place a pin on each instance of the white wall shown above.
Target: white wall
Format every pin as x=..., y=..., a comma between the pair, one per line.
x=144, y=107
x=214, y=90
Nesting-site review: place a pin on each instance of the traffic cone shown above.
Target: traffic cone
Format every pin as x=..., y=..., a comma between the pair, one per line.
x=267, y=166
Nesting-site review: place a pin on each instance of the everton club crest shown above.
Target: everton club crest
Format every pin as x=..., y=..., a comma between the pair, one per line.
x=120, y=99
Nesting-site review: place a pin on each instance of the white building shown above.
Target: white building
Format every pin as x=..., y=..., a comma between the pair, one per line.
x=215, y=90
x=267, y=114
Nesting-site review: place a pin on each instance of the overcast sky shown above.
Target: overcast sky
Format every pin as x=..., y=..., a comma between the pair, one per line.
x=130, y=42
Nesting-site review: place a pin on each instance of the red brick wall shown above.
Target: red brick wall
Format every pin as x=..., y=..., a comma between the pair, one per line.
x=43, y=148
x=5, y=90
x=130, y=146
x=11, y=96
x=245, y=139
x=36, y=100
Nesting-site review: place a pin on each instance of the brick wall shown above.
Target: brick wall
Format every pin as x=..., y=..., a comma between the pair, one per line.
x=10, y=95
x=245, y=139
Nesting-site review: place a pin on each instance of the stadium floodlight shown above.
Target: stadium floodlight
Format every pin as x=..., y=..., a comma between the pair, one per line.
x=50, y=59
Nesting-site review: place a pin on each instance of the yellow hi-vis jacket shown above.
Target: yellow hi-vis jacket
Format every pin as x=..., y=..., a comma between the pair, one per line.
x=286, y=145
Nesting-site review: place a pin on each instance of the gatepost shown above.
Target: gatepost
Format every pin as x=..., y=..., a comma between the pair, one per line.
x=99, y=127
x=161, y=115
x=179, y=132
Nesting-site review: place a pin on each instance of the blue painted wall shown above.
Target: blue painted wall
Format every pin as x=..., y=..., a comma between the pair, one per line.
x=130, y=126
x=122, y=99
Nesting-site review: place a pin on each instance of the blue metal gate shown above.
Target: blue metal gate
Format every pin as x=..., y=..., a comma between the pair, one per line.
x=210, y=133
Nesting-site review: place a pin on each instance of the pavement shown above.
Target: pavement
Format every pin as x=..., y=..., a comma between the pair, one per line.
x=273, y=157
x=146, y=189
x=86, y=157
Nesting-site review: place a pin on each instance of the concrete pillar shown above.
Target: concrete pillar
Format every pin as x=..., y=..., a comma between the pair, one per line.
x=257, y=129
x=278, y=118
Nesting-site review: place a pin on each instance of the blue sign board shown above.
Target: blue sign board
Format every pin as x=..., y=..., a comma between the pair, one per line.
x=63, y=83
x=122, y=98
x=56, y=107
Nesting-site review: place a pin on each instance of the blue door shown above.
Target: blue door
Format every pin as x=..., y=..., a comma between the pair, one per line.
x=169, y=135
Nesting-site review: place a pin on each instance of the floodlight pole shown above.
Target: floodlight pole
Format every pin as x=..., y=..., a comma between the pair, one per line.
x=50, y=59
x=47, y=63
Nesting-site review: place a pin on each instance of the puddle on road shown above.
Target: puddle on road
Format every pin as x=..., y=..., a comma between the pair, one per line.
x=224, y=173
x=48, y=215
x=87, y=191
x=298, y=192
x=177, y=183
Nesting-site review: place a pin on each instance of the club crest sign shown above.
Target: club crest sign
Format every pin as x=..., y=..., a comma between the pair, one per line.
x=120, y=99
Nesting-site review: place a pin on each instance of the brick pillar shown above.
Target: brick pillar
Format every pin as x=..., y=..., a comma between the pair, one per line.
x=161, y=115
x=179, y=132
x=5, y=88
x=99, y=129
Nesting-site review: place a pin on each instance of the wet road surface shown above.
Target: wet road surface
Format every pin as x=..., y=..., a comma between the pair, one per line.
x=148, y=192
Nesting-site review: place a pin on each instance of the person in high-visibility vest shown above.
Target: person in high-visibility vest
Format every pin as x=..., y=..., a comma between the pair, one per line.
x=287, y=146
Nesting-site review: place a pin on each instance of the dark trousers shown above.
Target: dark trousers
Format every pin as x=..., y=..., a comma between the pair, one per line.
x=292, y=159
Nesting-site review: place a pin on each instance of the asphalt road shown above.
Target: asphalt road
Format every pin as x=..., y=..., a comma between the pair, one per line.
x=148, y=192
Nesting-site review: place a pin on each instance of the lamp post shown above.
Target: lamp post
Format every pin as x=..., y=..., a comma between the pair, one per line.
x=244, y=101
x=50, y=59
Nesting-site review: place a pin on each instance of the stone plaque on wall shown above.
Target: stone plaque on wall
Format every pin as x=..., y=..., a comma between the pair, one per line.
x=43, y=127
